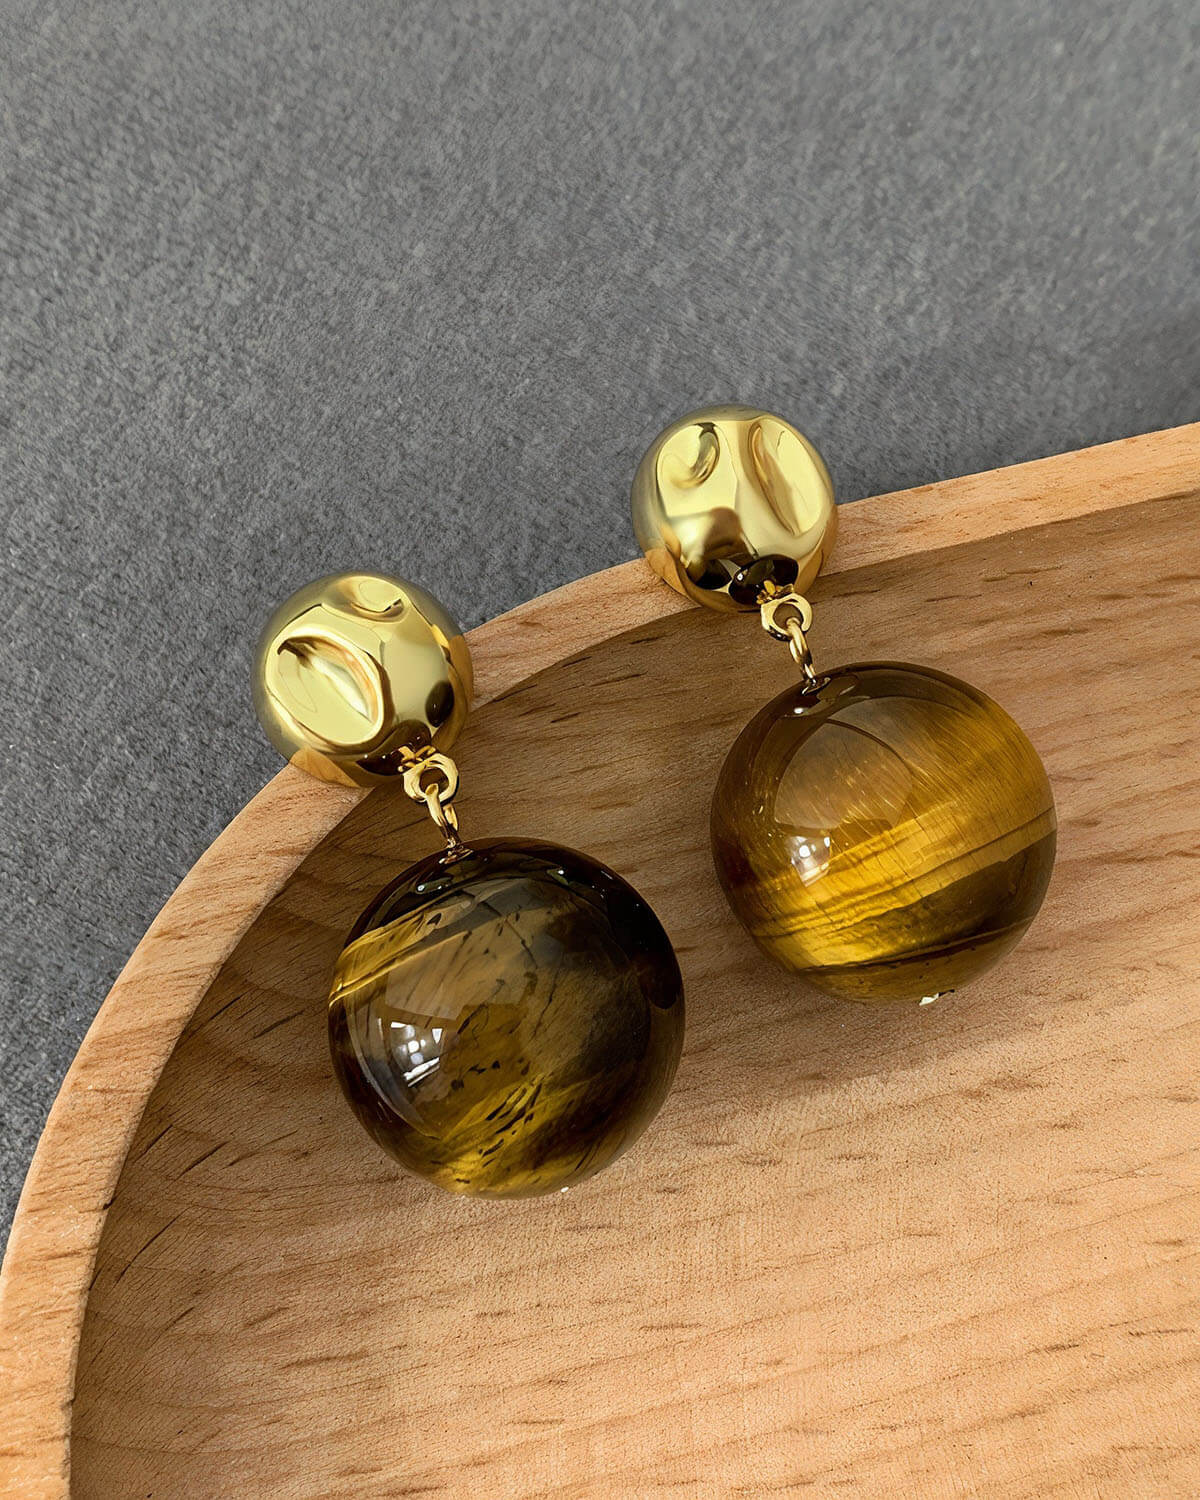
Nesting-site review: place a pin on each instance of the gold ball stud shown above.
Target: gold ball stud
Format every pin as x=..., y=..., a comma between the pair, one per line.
x=730, y=502
x=356, y=671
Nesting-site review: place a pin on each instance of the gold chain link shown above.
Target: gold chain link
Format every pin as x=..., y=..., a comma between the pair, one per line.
x=431, y=777
x=788, y=617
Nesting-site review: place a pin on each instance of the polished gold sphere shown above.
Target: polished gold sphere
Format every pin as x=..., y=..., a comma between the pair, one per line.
x=357, y=669
x=729, y=500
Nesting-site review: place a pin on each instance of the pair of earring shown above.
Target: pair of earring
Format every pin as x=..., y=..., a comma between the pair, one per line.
x=507, y=1016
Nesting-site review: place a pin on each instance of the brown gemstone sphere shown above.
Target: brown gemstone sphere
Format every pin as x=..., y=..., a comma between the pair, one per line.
x=887, y=835
x=506, y=1019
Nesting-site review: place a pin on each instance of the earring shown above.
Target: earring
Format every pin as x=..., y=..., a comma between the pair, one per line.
x=884, y=831
x=506, y=1016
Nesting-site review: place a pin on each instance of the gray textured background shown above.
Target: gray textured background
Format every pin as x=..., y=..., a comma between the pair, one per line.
x=290, y=288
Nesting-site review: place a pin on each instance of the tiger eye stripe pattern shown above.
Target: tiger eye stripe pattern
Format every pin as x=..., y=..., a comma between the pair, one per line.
x=887, y=834
x=506, y=1019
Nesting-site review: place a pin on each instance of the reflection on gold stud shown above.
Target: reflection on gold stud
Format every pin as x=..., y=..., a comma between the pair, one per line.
x=355, y=672
x=729, y=500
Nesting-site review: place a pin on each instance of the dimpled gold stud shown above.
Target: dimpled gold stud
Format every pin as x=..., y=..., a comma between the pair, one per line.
x=730, y=501
x=355, y=672
x=506, y=1016
x=884, y=831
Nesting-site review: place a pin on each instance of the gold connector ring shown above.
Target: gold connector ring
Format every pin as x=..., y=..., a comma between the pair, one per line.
x=432, y=778
x=779, y=612
x=789, y=617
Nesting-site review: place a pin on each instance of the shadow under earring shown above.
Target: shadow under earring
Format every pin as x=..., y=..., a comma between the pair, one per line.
x=883, y=830
x=506, y=1016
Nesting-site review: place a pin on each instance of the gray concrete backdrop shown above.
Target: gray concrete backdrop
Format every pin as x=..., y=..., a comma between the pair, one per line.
x=288, y=288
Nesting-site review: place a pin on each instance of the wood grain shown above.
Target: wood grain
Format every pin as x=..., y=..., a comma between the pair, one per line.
x=949, y=1251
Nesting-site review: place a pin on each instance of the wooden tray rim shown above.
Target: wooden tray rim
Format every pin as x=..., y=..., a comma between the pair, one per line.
x=47, y=1270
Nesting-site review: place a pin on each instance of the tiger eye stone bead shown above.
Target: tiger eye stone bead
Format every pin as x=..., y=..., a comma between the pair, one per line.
x=887, y=835
x=507, y=1019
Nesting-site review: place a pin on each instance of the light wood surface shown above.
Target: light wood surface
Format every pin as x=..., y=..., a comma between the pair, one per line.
x=948, y=1251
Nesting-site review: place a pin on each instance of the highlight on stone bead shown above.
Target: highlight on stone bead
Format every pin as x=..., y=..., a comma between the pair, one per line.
x=887, y=835
x=507, y=1019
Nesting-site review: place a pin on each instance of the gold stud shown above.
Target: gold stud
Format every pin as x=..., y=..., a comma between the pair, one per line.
x=356, y=672
x=730, y=500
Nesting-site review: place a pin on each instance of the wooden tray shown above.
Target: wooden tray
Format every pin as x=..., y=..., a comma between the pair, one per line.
x=931, y=1252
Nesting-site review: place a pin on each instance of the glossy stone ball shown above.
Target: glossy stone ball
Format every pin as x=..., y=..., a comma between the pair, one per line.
x=887, y=835
x=507, y=1019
